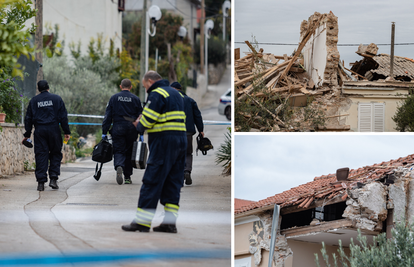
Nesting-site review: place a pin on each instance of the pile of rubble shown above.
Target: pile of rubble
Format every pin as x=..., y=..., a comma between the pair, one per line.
x=260, y=77
x=289, y=93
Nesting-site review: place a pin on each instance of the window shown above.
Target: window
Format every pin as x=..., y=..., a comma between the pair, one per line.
x=245, y=262
x=371, y=117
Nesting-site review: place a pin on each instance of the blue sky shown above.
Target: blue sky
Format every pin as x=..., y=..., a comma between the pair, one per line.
x=268, y=164
x=359, y=22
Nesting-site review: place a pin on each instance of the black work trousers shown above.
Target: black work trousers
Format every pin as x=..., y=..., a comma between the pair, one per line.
x=123, y=137
x=48, y=151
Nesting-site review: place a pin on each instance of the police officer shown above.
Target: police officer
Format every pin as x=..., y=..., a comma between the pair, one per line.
x=123, y=132
x=164, y=119
x=46, y=111
x=192, y=117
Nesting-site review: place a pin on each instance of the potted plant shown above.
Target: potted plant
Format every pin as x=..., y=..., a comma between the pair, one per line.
x=2, y=115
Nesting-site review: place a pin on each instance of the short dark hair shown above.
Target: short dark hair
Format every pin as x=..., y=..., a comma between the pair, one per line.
x=42, y=85
x=176, y=85
x=126, y=83
x=153, y=75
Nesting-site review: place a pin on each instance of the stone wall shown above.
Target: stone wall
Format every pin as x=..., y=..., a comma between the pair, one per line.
x=13, y=154
x=215, y=72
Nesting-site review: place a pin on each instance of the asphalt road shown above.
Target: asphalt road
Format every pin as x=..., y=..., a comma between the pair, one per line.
x=80, y=224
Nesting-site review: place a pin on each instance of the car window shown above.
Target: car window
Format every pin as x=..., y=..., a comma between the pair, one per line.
x=229, y=93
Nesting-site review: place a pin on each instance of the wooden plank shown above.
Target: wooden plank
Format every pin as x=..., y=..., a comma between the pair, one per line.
x=311, y=30
x=236, y=53
x=323, y=227
x=303, y=90
x=265, y=74
x=357, y=74
x=285, y=57
x=251, y=47
x=295, y=69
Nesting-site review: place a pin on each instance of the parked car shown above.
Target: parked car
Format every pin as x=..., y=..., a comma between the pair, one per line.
x=224, y=107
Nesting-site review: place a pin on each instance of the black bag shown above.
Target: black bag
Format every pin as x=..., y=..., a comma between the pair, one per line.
x=102, y=153
x=203, y=144
x=139, y=155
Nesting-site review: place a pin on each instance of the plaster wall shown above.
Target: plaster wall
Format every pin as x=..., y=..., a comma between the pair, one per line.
x=304, y=253
x=81, y=20
x=241, y=238
x=391, y=105
x=315, y=55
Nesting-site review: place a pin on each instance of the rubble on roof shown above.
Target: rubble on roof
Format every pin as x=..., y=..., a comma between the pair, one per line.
x=375, y=67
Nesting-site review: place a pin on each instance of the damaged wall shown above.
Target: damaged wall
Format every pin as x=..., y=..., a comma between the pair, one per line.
x=321, y=54
x=367, y=206
x=401, y=194
x=259, y=243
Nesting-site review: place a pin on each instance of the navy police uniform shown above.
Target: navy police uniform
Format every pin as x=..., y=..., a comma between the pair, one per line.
x=163, y=118
x=45, y=112
x=193, y=119
x=123, y=132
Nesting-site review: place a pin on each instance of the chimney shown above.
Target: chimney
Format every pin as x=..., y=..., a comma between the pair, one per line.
x=342, y=174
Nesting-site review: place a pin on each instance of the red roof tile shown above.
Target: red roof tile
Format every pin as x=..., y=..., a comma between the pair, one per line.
x=326, y=186
x=238, y=203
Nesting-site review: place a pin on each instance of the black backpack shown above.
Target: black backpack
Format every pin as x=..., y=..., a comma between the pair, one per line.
x=102, y=153
x=203, y=144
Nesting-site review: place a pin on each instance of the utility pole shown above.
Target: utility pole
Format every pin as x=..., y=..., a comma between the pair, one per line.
x=392, y=51
x=143, y=52
x=202, y=38
x=39, y=36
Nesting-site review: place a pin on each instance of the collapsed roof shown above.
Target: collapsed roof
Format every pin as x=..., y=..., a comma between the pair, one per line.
x=377, y=67
x=327, y=186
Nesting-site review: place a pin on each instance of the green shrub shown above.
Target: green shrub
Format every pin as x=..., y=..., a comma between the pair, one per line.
x=404, y=117
x=11, y=100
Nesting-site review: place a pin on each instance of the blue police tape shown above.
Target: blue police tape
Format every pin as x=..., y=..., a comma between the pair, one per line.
x=107, y=257
x=206, y=122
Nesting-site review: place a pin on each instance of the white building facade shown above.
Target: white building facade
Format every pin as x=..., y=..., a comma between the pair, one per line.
x=81, y=20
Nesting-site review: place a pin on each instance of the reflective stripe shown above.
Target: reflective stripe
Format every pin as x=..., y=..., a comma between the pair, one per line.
x=168, y=126
x=172, y=208
x=144, y=217
x=162, y=92
x=150, y=113
x=181, y=94
x=146, y=123
x=172, y=115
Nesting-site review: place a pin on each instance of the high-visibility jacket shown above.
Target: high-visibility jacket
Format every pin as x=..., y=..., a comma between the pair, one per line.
x=163, y=112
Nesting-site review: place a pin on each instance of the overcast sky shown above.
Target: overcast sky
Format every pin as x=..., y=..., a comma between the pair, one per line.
x=265, y=165
x=359, y=21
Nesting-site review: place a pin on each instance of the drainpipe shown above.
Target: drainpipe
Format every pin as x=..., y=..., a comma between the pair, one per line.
x=275, y=224
x=392, y=51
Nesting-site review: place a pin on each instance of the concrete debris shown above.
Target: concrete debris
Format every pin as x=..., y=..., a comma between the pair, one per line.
x=367, y=207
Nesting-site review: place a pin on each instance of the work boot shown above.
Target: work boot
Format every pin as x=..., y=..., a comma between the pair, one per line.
x=187, y=177
x=132, y=227
x=40, y=186
x=119, y=172
x=53, y=183
x=128, y=180
x=166, y=228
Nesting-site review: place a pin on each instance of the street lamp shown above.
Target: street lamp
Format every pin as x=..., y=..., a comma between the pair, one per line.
x=207, y=28
x=226, y=6
x=155, y=14
x=182, y=32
